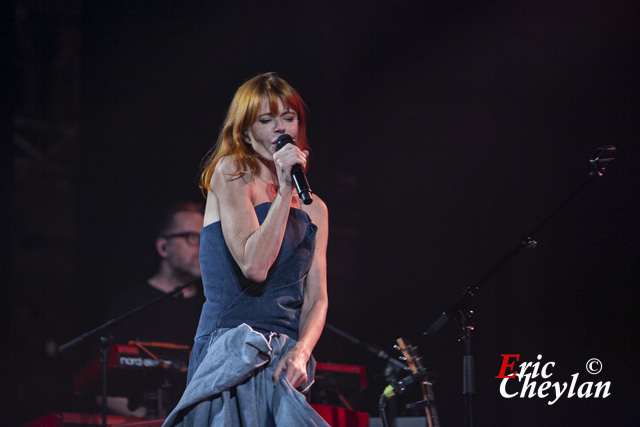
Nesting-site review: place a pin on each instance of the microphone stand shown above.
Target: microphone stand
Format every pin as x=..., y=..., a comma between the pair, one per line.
x=599, y=160
x=373, y=349
x=104, y=339
x=382, y=403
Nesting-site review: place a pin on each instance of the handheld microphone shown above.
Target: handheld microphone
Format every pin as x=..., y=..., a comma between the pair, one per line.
x=297, y=174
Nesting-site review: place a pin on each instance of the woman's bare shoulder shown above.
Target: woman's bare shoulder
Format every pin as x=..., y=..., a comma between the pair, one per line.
x=232, y=189
x=226, y=173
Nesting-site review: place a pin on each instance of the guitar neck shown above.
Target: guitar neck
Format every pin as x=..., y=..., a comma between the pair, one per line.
x=414, y=361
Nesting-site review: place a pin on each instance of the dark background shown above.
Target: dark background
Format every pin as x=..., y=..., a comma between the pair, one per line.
x=442, y=132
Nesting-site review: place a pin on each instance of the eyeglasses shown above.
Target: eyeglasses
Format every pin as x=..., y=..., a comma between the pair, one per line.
x=192, y=238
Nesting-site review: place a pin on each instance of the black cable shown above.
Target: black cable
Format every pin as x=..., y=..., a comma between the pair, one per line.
x=381, y=408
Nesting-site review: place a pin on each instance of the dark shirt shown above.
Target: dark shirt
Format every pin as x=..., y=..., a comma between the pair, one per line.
x=171, y=320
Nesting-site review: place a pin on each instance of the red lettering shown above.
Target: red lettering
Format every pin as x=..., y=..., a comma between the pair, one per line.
x=506, y=364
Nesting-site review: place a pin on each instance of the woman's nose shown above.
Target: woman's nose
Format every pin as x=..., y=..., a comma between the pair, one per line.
x=279, y=124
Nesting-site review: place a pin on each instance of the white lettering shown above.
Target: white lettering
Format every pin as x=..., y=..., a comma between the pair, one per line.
x=559, y=392
x=529, y=388
x=587, y=392
x=544, y=369
x=523, y=368
x=600, y=386
x=503, y=389
x=574, y=379
x=536, y=366
x=544, y=386
x=138, y=361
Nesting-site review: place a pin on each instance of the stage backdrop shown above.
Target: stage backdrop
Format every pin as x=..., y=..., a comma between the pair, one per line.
x=441, y=134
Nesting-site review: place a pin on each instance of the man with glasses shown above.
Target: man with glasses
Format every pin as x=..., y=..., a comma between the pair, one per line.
x=172, y=320
x=178, y=244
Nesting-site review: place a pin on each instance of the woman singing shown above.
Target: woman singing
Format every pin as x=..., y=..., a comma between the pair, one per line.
x=263, y=261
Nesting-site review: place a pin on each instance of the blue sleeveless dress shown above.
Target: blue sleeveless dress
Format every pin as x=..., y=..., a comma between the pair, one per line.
x=244, y=330
x=270, y=306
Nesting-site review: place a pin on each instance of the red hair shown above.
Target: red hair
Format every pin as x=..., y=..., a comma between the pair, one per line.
x=242, y=113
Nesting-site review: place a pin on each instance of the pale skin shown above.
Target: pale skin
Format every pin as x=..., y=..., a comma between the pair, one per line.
x=254, y=246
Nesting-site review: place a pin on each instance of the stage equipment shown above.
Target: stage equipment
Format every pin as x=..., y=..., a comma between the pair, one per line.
x=154, y=368
x=71, y=419
x=414, y=361
x=335, y=417
x=418, y=375
x=393, y=365
x=372, y=348
x=104, y=339
x=599, y=161
x=337, y=385
x=340, y=417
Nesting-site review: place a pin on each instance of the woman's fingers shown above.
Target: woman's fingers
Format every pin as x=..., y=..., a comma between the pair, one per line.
x=295, y=374
x=286, y=158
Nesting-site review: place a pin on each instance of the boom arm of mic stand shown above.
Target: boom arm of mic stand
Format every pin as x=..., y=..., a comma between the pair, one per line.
x=470, y=292
x=373, y=349
x=599, y=160
x=110, y=322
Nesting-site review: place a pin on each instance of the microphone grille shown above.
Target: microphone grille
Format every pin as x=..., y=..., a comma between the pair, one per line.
x=283, y=140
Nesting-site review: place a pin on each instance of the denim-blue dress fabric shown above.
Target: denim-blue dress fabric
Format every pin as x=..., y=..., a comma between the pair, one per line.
x=233, y=385
x=271, y=306
x=244, y=329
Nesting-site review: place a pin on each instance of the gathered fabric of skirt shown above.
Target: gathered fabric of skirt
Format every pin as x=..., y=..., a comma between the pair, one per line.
x=233, y=384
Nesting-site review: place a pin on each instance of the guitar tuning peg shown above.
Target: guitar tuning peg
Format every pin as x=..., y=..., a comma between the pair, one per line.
x=404, y=359
x=396, y=347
